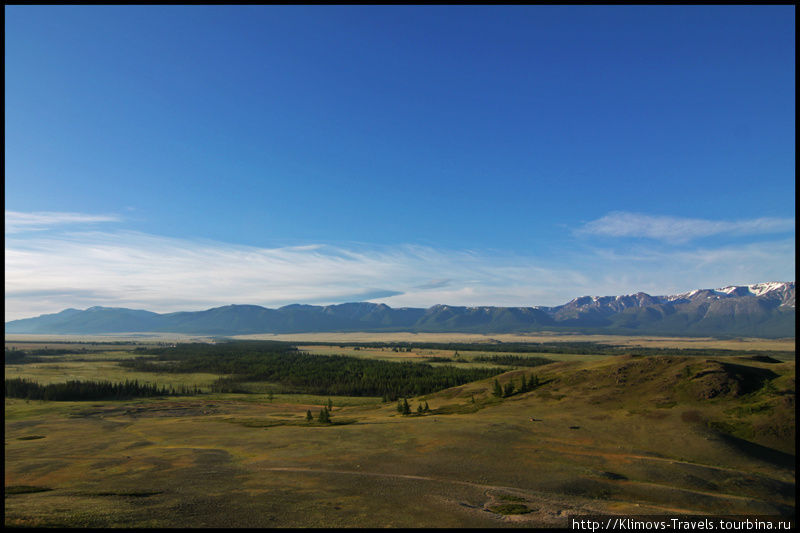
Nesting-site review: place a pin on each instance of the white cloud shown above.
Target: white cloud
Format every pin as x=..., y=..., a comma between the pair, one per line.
x=17, y=222
x=46, y=273
x=680, y=230
x=137, y=270
x=659, y=271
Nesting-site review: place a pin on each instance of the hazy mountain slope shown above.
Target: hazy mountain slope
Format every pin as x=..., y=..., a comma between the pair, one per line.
x=761, y=310
x=92, y=320
x=482, y=319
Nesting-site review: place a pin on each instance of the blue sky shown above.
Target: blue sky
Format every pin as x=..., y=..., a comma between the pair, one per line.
x=182, y=157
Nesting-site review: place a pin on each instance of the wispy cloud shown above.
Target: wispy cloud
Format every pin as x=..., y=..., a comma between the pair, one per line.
x=434, y=284
x=48, y=272
x=166, y=274
x=680, y=230
x=17, y=222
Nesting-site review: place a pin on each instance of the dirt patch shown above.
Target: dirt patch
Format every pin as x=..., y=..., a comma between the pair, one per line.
x=692, y=416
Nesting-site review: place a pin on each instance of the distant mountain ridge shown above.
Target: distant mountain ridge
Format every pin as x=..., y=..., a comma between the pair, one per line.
x=760, y=310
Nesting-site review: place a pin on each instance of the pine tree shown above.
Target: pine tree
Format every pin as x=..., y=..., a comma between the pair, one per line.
x=419, y=409
x=523, y=387
x=509, y=389
x=426, y=409
x=406, y=408
x=309, y=416
x=324, y=416
x=498, y=391
x=330, y=404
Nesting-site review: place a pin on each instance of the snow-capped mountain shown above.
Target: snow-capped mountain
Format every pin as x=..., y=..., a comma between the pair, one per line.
x=776, y=290
x=758, y=310
x=761, y=309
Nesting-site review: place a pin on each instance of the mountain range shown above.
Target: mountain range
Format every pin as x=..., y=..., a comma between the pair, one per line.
x=759, y=310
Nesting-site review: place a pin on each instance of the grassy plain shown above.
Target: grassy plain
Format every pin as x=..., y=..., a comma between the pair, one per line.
x=744, y=343
x=632, y=435
x=111, y=338
x=416, y=355
x=89, y=368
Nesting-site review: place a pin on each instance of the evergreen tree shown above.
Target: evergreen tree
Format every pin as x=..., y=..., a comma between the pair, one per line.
x=509, y=389
x=523, y=387
x=406, y=408
x=330, y=404
x=426, y=409
x=498, y=391
x=324, y=416
x=399, y=407
x=309, y=416
x=303, y=372
x=419, y=409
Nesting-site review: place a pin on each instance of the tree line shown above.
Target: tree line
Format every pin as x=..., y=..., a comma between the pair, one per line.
x=404, y=409
x=16, y=356
x=300, y=372
x=514, y=360
x=89, y=390
x=564, y=347
x=510, y=389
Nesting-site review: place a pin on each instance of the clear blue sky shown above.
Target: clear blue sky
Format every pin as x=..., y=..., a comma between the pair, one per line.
x=532, y=134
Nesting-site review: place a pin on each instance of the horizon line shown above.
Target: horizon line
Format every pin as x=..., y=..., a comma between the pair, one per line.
x=390, y=307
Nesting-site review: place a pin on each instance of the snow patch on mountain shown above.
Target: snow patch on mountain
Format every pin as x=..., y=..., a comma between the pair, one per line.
x=760, y=289
x=756, y=289
x=771, y=289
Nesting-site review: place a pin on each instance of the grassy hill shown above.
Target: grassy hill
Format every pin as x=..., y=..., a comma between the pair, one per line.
x=613, y=434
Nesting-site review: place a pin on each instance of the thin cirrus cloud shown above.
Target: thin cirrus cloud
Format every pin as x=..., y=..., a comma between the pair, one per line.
x=17, y=222
x=680, y=230
x=48, y=271
x=434, y=284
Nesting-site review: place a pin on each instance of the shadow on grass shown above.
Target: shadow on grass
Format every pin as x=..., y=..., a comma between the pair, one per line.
x=24, y=489
x=267, y=423
x=757, y=451
x=134, y=494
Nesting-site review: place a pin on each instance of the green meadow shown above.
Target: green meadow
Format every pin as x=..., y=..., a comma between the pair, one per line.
x=600, y=434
